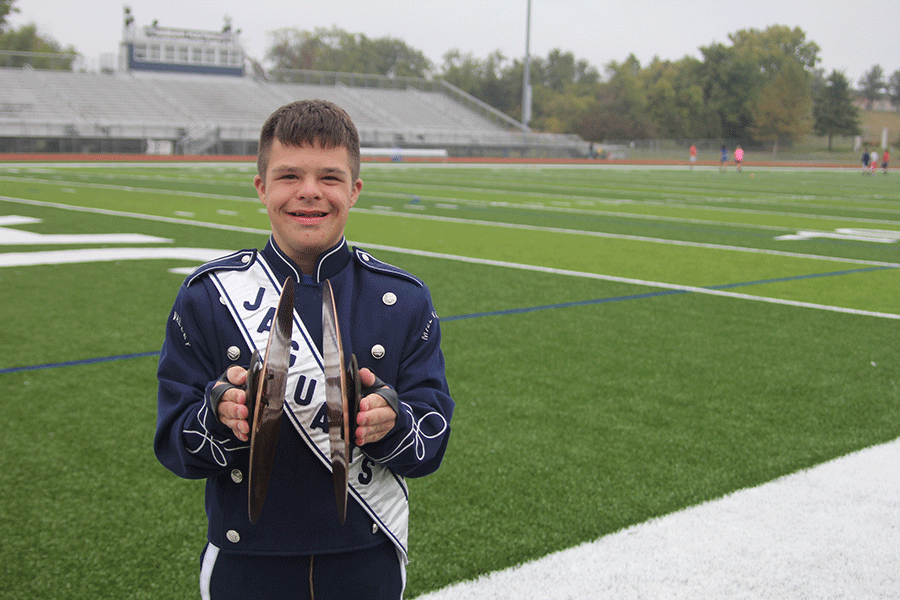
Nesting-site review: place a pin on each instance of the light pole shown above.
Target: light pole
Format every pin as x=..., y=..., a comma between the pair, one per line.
x=526, y=77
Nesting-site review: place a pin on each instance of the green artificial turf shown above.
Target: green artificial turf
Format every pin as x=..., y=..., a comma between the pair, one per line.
x=586, y=402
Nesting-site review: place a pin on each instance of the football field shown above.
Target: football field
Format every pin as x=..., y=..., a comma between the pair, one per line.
x=621, y=343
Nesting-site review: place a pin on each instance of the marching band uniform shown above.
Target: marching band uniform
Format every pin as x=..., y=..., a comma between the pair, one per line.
x=386, y=319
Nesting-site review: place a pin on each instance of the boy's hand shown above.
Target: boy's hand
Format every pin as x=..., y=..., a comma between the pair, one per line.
x=233, y=411
x=376, y=417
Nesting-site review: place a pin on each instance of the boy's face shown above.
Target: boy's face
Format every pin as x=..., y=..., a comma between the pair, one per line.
x=308, y=192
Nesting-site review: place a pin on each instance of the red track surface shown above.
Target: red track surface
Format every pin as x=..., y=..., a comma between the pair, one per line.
x=12, y=157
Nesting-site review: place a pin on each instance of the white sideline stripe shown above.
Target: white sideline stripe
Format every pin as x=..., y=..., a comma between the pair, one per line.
x=538, y=206
x=145, y=217
x=831, y=531
x=634, y=238
x=58, y=257
x=643, y=282
x=17, y=220
x=536, y=268
x=128, y=188
x=17, y=237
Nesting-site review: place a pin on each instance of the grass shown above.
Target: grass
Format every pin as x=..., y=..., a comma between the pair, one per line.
x=586, y=402
x=874, y=121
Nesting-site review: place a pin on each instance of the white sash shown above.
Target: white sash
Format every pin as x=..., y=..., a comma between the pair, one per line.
x=252, y=298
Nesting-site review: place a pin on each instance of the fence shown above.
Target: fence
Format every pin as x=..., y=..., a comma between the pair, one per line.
x=844, y=149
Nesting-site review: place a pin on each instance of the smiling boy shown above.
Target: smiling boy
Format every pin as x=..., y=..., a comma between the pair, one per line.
x=308, y=179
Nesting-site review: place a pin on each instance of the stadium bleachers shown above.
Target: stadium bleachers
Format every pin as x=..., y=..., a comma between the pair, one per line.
x=206, y=113
x=25, y=98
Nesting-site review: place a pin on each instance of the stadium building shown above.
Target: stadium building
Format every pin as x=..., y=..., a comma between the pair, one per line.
x=193, y=92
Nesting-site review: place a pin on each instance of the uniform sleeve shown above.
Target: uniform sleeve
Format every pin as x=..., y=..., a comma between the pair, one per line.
x=190, y=440
x=415, y=446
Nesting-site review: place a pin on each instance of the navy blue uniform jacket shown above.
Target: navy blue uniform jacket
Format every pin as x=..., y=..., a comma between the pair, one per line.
x=387, y=321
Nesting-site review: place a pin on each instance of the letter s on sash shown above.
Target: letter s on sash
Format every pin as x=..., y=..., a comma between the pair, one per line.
x=365, y=475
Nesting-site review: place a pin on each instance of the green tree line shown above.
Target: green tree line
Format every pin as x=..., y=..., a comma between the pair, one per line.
x=761, y=87
x=25, y=45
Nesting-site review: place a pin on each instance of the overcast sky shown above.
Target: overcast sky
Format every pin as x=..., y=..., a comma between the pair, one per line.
x=853, y=36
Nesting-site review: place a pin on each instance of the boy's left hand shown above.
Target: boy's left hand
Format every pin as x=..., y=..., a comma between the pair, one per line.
x=376, y=417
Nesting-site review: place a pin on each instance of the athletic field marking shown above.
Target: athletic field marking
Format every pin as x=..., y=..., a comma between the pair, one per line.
x=634, y=238
x=145, y=217
x=512, y=311
x=680, y=202
x=17, y=237
x=550, y=270
x=76, y=363
x=59, y=257
x=532, y=206
x=712, y=291
x=828, y=531
x=530, y=309
x=599, y=213
x=128, y=188
x=878, y=236
x=578, y=211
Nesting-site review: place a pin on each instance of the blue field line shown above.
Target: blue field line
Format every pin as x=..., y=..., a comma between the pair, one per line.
x=75, y=363
x=530, y=309
x=798, y=277
x=516, y=311
x=497, y=313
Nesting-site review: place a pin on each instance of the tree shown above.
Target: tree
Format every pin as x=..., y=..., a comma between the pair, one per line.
x=733, y=76
x=563, y=88
x=776, y=46
x=730, y=83
x=560, y=85
x=560, y=71
x=782, y=111
x=619, y=108
x=6, y=8
x=871, y=85
x=833, y=109
x=675, y=101
x=26, y=39
x=393, y=58
x=893, y=89
x=492, y=80
x=339, y=51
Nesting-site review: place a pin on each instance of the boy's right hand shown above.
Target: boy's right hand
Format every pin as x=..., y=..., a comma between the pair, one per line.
x=232, y=410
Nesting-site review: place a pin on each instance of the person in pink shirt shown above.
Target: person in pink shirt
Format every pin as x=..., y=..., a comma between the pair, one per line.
x=738, y=157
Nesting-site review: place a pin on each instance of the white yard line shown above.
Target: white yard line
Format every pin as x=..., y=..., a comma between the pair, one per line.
x=832, y=531
x=654, y=284
x=550, y=270
x=62, y=257
x=621, y=236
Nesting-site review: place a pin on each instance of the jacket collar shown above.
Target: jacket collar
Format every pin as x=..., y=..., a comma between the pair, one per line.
x=329, y=263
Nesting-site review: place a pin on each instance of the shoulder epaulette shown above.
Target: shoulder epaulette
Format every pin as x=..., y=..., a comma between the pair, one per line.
x=238, y=261
x=373, y=264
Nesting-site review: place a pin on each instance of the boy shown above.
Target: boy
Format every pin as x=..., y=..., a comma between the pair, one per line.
x=308, y=179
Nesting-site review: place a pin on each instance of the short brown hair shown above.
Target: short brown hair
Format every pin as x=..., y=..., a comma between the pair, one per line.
x=309, y=122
